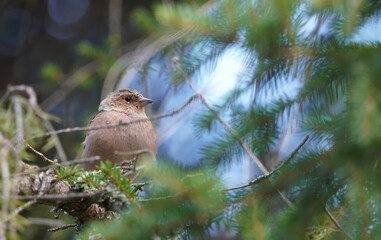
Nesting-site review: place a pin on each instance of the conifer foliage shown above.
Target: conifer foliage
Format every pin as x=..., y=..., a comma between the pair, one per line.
x=330, y=185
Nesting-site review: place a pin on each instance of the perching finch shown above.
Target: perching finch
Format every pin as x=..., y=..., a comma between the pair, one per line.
x=119, y=143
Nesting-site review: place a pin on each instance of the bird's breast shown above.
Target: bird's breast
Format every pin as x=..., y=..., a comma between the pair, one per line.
x=119, y=143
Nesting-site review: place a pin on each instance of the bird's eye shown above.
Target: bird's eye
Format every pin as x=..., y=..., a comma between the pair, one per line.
x=128, y=99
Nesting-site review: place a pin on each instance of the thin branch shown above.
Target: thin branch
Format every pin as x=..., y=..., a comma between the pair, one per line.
x=267, y=175
x=228, y=127
x=19, y=121
x=252, y=182
x=43, y=184
x=81, y=160
x=153, y=118
x=6, y=188
x=21, y=208
x=57, y=141
x=41, y=155
x=56, y=196
x=137, y=152
x=66, y=226
x=20, y=88
x=158, y=198
x=72, y=162
x=115, y=18
x=294, y=152
x=336, y=223
x=69, y=85
x=44, y=221
x=32, y=100
x=19, y=129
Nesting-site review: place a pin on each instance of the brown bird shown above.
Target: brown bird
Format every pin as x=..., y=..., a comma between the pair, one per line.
x=123, y=105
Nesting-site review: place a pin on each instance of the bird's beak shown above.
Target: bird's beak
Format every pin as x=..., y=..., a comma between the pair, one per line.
x=144, y=101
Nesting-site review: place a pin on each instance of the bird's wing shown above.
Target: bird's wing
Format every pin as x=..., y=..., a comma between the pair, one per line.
x=87, y=132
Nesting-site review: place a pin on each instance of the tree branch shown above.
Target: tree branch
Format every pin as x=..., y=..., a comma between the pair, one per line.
x=153, y=118
x=66, y=226
x=83, y=204
x=228, y=127
x=32, y=100
x=6, y=187
x=267, y=175
x=41, y=155
x=337, y=224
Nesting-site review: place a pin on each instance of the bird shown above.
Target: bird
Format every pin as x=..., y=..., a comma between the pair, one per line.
x=121, y=143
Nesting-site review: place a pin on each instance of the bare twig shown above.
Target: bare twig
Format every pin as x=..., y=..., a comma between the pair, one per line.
x=20, y=88
x=267, y=175
x=72, y=162
x=294, y=152
x=153, y=118
x=158, y=198
x=115, y=18
x=252, y=182
x=4, y=151
x=337, y=224
x=228, y=127
x=81, y=160
x=57, y=142
x=21, y=208
x=19, y=121
x=42, y=155
x=68, y=85
x=42, y=185
x=44, y=221
x=56, y=196
x=19, y=129
x=137, y=174
x=32, y=100
x=66, y=226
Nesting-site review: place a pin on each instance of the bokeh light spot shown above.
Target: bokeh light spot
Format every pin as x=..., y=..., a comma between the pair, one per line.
x=67, y=11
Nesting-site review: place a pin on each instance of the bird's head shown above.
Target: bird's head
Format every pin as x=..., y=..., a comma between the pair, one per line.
x=124, y=100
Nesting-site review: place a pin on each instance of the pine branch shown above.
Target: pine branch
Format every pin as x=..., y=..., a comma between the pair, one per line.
x=44, y=188
x=267, y=175
x=244, y=146
x=229, y=128
x=116, y=178
x=68, y=163
x=337, y=224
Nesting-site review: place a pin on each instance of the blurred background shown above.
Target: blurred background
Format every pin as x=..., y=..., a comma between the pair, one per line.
x=65, y=50
x=74, y=52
